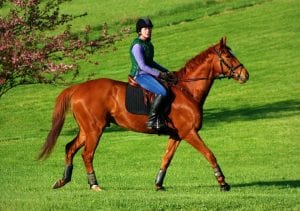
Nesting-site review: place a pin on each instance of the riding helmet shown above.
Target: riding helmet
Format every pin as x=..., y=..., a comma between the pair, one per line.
x=143, y=22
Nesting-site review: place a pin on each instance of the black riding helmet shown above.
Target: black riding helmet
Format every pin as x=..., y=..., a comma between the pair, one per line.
x=143, y=22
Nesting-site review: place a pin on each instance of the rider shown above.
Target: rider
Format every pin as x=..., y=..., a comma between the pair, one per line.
x=146, y=71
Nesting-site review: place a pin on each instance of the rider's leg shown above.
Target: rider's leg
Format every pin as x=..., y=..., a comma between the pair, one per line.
x=151, y=84
x=154, y=120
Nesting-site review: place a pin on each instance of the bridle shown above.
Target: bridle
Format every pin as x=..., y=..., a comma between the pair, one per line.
x=231, y=68
x=222, y=75
x=174, y=81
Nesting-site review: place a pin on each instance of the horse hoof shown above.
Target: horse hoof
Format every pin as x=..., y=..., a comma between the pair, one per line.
x=58, y=184
x=225, y=187
x=96, y=188
x=160, y=188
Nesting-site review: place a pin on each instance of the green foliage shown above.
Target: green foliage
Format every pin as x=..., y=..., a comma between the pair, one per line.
x=253, y=129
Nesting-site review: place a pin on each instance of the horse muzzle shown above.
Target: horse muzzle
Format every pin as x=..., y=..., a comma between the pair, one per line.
x=242, y=75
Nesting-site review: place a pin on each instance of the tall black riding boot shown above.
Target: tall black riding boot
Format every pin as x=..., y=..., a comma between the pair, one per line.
x=154, y=121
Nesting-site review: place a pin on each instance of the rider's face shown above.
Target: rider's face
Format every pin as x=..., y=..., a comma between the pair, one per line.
x=145, y=33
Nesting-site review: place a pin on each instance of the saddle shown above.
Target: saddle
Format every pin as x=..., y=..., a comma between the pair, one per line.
x=138, y=100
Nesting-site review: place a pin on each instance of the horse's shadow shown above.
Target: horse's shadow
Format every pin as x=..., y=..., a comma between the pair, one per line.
x=281, y=184
x=278, y=109
x=284, y=184
x=216, y=115
x=109, y=129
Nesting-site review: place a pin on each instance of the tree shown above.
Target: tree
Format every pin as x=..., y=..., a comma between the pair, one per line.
x=31, y=52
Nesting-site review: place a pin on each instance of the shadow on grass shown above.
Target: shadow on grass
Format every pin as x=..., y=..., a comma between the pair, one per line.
x=212, y=116
x=270, y=110
x=262, y=184
x=111, y=128
x=283, y=184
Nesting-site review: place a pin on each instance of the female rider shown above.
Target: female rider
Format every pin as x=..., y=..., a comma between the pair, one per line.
x=146, y=71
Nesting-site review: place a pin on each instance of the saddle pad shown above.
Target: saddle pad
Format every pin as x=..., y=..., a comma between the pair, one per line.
x=134, y=101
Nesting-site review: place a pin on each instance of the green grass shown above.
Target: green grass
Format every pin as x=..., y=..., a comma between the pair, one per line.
x=253, y=129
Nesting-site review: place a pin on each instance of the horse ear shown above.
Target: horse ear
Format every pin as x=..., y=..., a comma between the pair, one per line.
x=223, y=42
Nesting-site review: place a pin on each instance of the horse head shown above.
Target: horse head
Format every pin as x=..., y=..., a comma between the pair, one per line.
x=227, y=65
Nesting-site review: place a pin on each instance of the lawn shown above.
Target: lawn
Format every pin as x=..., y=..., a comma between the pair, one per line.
x=253, y=129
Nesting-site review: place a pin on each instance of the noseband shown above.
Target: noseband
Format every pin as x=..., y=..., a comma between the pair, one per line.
x=231, y=68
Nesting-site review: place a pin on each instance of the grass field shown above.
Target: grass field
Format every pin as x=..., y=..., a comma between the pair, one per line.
x=253, y=129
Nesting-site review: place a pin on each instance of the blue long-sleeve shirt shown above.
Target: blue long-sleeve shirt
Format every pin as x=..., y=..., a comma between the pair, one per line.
x=138, y=53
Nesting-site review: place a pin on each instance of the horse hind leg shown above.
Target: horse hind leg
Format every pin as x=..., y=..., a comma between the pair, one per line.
x=90, y=141
x=93, y=130
x=71, y=149
x=91, y=144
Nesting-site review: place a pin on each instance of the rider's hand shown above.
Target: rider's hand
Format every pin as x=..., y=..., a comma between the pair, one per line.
x=168, y=76
x=163, y=75
x=171, y=77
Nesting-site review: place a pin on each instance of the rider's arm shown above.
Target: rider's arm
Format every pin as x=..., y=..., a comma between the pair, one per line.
x=138, y=53
x=159, y=67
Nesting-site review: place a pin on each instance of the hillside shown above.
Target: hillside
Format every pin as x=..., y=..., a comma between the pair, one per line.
x=253, y=129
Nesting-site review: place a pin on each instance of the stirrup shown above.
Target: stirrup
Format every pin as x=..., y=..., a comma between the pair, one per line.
x=155, y=124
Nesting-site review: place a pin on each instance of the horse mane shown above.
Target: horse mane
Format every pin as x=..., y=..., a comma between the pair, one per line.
x=197, y=60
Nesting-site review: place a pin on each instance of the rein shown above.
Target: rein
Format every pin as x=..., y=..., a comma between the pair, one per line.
x=200, y=78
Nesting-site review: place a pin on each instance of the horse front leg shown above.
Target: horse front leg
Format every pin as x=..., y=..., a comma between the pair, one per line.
x=172, y=145
x=194, y=139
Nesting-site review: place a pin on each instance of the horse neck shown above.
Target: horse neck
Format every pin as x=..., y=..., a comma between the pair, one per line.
x=198, y=79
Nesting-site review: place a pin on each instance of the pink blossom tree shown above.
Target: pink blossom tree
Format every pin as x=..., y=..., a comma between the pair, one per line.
x=30, y=53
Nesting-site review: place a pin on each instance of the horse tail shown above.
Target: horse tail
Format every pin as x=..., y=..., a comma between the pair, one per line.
x=58, y=118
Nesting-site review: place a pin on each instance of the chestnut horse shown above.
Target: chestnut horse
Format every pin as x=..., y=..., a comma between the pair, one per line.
x=98, y=102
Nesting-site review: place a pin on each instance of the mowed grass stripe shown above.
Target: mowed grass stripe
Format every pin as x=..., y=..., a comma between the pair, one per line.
x=252, y=129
